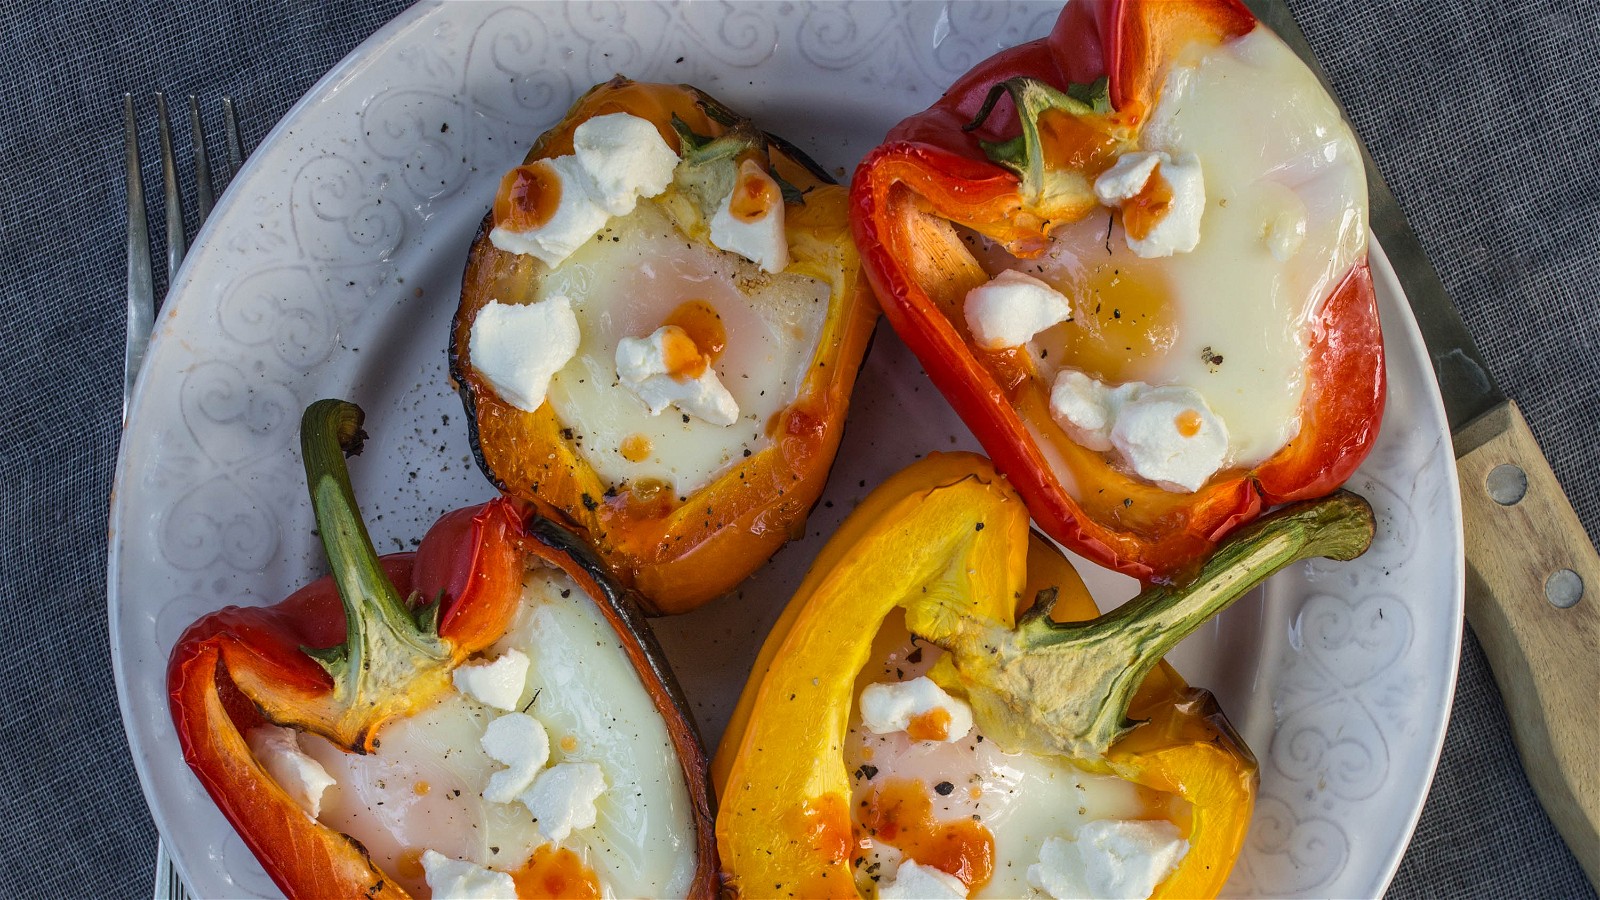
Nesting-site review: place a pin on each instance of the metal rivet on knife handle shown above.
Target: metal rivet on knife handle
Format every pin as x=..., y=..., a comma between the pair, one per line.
x=1507, y=484
x=1564, y=588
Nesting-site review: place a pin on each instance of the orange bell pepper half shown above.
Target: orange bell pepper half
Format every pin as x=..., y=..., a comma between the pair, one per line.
x=1103, y=61
x=679, y=551
x=947, y=541
x=374, y=641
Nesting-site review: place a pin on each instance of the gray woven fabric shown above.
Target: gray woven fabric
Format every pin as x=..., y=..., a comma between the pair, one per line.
x=1482, y=118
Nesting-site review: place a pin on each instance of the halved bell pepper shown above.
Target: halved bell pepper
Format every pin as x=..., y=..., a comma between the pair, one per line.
x=1010, y=152
x=375, y=641
x=679, y=551
x=947, y=541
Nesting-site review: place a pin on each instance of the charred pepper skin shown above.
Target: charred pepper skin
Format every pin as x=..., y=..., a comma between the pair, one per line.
x=242, y=667
x=932, y=171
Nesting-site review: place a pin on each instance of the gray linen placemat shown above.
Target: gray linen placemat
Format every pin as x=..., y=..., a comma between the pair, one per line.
x=1481, y=116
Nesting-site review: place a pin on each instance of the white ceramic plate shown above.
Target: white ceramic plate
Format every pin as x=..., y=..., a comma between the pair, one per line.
x=332, y=267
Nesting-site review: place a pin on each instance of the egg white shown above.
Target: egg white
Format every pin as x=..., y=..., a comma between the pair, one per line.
x=625, y=283
x=595, y=709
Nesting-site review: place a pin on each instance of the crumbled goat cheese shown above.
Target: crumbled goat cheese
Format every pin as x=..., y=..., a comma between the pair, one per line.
x=518, y=348
x=1109, y=858
x=518, y=742
x=1011, y=309
x=1166, y=435
x=278, y=751
x=563, y=797
x=1179, y=230
x=576, y=219
x=762, y=239
x=1169, y=435
x=498, y=683
x=623, y=158
x=616, y=160
x=892, y=706
x=458, y=879
x=914, y=882
x=645, y=367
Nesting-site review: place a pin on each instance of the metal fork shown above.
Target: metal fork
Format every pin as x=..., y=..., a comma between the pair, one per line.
x=142, y=303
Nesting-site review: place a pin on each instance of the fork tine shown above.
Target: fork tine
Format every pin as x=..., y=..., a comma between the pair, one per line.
x=141, y=292
x=230, y=122
x=202, y=165
x=169, y=176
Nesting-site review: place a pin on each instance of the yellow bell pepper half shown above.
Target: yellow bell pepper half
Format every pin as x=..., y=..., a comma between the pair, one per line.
x=948, y=540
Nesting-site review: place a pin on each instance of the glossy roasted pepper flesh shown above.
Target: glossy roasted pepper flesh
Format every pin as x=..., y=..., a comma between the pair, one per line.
x=946, y=543
x=679, y=533
x=1006, y=166
x=373, y=644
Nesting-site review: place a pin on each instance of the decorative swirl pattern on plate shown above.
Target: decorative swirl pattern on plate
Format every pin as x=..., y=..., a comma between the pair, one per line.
x=320, y=242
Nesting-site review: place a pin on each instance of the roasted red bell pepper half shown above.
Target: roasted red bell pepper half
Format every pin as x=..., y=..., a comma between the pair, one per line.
x=373, y=643
x=1005, y=172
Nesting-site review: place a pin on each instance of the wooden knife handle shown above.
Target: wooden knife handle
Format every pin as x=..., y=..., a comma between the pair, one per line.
x=1527, y=552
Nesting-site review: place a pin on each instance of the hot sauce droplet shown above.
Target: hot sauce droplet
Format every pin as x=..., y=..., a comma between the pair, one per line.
x=823, y=827
x=933, y=725
x=1187, y=423
x=901, y=814
x=1143, y=210
x=409, y=864
x=754, y=193
x=701, y=322
x=528, y=197
x=569, y=743
x=555, y=872
x=681, y=354
x=635, y=448
x=422, y=788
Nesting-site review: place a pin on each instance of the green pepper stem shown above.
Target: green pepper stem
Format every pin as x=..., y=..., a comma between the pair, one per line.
x=380, y=626
x=1066, y=687
x=1024, y=154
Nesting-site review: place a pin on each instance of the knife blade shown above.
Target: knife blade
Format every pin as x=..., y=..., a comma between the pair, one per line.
x=1533, y=577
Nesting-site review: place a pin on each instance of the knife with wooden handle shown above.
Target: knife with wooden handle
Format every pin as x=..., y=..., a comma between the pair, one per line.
x=1533, y=578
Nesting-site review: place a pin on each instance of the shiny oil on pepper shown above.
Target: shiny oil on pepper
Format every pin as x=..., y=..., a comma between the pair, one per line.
x=1009, y=153
x=680, y=549
x=374, y=642
x=947, y=542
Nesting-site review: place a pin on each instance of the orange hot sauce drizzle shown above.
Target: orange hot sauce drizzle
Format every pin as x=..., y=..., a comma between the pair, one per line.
x=1187, y=423
x=555, y=872
x=901, y=814
x=528, y=197
x=754, y=194
x=1143, y=210
x=682, y=357
x=824, y=825
x=635, y=448
x=933, y=725
x=701, y=322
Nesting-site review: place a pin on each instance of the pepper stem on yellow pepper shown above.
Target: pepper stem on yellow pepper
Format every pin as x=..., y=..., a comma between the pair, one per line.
x=1054, y=687
x=392, y=654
